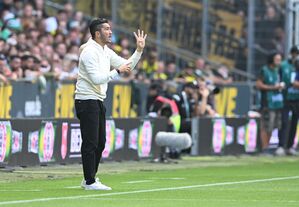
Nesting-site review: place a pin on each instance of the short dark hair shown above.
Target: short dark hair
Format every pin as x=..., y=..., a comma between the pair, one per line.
x=294, y=49
x=192, y=84
x=96, y=25
x=11, y=58
x=270, y=59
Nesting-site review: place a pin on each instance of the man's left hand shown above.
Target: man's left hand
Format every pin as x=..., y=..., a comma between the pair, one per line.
x=140, y=40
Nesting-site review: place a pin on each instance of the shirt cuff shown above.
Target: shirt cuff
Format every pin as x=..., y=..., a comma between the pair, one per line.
x=114, y=74
x=138, y=54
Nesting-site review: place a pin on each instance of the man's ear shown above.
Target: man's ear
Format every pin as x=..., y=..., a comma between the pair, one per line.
x=98, y=34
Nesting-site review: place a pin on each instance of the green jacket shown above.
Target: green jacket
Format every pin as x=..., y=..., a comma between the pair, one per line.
x=272, y=99
x=287, y=69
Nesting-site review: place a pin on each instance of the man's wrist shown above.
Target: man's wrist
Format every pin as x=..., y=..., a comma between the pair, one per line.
x=118, y=71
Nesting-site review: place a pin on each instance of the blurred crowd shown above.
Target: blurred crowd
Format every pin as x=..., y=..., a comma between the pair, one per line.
x=35, y=45
x=269, y=34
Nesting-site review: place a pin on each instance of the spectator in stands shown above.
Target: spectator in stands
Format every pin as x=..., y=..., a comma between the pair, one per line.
x=2, y=45
x=45, y=66
x=15, y=66
x=278, y=40
x=201, y=98
x=125, y=43
x=59, y=38
x=187, y=75
x=61, y=16
x=39, y=9
x=22, y=42
x=61, y=49
x=48, y=52
x=31, y=67
x=77, y=21
x=125, y=53
x=69, y=10
x=222, y=76
x=219, y=77
x=271, y=99
x=7, y=5
x=27, y=62
x=200, y=65
x=62, y=27
x=74, y=37
x=4, y=69
x=140, y=74
x=28, y=19
x=70, y=67
x=122, y=43
x=269, y=20
x=159, y=74
x=13, y=51
x=33, y=73
x=57, y=65
x=36, y=51
x=171, y=71
x=33, y=35
x=150, y=64
x=73, y=49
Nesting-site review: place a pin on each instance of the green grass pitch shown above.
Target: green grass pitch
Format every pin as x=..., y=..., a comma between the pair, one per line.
x=193, y=181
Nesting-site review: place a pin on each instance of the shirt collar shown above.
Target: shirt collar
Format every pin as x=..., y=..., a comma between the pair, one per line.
x=91, y=41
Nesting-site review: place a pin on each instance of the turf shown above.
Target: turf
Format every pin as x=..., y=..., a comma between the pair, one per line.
x=205, y=181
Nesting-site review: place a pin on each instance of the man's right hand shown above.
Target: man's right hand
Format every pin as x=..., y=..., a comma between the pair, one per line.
x=125, y=68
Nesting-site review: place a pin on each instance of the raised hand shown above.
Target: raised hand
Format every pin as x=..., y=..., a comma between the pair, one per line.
x=204, y=92
x=140, y=40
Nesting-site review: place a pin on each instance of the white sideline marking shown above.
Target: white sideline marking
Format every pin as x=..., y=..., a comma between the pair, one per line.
x=191, y=199
x=46, y=172
x=73, y=187
x=138, y=181
x=168, y=178
x=15, y=190
x=151, y=180
x=149, y=190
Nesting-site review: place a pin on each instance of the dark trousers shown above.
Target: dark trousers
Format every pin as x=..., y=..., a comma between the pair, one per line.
x=282, y=133
x=286, y=128
x=91, y=114
x=294, y=105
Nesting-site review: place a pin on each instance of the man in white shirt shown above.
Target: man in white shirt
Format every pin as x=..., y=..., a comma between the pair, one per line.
x=95, y=61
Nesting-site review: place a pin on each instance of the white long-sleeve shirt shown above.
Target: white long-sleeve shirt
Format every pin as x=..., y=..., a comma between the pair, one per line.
x=95, y=62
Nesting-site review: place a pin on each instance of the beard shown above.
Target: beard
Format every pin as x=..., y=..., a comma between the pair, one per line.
x=105, y=39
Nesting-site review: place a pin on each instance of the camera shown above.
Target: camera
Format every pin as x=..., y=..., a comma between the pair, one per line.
x=212, y=88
